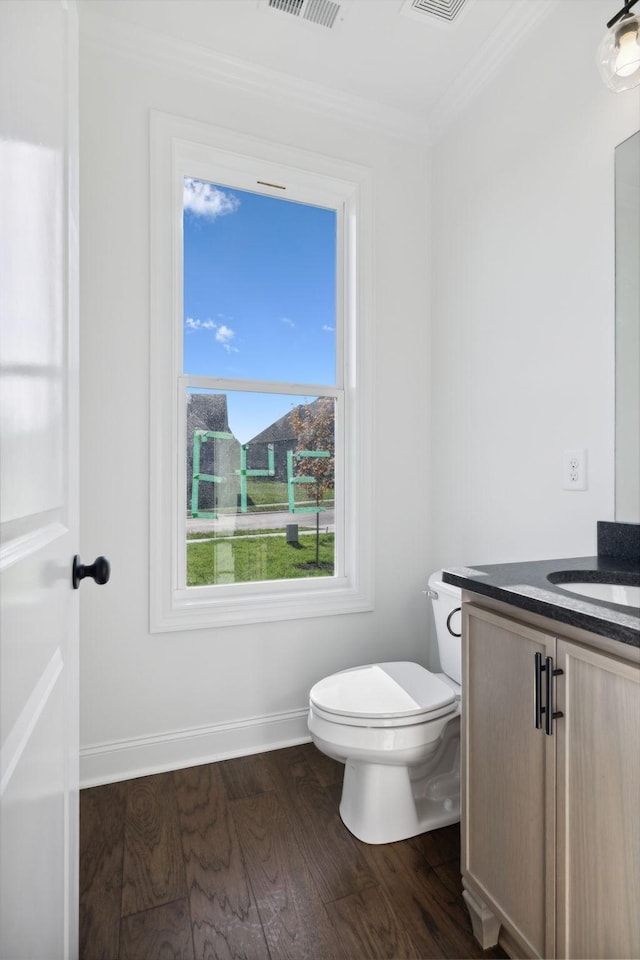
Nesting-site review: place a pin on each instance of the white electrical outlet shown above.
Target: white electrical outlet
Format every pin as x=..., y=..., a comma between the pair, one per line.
x=574, y=470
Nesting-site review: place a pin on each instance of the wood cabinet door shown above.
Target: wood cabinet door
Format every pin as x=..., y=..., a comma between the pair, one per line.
x=508, y=789
x=598, y=743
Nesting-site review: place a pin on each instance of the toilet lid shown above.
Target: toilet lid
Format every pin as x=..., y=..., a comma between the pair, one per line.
x=383, y=691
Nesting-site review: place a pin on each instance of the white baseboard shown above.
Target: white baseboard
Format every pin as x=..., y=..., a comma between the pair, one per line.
x=124, y=759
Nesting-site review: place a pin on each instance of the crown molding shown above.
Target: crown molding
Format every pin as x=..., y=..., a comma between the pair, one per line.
x=191, y=60
x=500, y=47
x=138, y=44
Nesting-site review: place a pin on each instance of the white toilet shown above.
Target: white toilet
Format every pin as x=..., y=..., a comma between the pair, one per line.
x=396, y=728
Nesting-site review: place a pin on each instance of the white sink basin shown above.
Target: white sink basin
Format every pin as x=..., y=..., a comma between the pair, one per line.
x=628, y=596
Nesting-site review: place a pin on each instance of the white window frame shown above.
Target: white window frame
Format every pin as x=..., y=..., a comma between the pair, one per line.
x=180, y=148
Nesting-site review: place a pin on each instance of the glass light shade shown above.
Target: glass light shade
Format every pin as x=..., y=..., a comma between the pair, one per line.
x=619, y=54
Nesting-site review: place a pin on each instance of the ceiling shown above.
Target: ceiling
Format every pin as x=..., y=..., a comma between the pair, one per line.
x=417, y=65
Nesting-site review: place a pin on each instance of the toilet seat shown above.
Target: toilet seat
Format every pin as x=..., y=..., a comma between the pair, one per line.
x=383, y=695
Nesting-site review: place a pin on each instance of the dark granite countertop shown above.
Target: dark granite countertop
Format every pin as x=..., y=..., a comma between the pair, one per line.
x=525, y=585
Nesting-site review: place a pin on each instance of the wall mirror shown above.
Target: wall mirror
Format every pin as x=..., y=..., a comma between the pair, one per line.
x=627, y=435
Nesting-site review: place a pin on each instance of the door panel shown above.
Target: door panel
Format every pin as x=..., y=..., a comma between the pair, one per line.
x=508, y=779
x=32, y=608
x=33, y=837
x=598, y=806
x=38, y=479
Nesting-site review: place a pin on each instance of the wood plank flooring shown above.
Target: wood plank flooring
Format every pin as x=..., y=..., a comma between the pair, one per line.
x=248, y=859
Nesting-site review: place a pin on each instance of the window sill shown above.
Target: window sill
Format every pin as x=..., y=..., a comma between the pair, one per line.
x=190, y=611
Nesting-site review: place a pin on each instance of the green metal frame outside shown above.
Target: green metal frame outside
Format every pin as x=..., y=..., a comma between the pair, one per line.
x=203, y=436
x=291, y=480
x=200, y=437
x=244, y=473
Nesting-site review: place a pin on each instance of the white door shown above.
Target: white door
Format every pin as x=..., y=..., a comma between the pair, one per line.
x=38, y=479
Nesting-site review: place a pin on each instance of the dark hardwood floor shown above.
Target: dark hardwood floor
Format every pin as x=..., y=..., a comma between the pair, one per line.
x=248, y=859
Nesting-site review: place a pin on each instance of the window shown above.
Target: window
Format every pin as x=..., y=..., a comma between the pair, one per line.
x=260, y=434
x=259, y=290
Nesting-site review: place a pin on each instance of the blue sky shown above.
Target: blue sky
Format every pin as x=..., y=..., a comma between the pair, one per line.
x=259, y=295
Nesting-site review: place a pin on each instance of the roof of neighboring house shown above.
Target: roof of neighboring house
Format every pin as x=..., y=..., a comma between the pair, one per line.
x=207, y=411
x=281, y=429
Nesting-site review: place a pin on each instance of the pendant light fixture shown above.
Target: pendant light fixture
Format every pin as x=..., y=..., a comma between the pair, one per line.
x=619, y=51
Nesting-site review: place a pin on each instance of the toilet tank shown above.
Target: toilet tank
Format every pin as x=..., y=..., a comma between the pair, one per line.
x=447, y=601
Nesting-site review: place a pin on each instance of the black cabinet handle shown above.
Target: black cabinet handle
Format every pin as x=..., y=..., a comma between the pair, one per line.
x=537, y=691
x=550, y=714
x=99, y=570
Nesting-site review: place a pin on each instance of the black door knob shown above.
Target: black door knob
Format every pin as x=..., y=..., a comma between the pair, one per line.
x=99, y=570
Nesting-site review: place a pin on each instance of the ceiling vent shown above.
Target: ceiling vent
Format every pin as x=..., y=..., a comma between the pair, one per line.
x=445, y=11
x=321, y=12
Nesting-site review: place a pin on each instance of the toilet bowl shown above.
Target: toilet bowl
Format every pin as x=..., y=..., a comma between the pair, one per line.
x=396, y=728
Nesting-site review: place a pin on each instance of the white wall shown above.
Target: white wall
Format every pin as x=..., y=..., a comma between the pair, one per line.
x=150, y=701
x=517, y=366
x=523, y=301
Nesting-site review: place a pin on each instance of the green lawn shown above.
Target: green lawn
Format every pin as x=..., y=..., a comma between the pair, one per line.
x=248, y=558
x=266, y=494
x=204, y=535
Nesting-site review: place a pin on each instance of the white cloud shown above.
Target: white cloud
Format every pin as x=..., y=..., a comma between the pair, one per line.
x=325, y=326
x=207, y=200
x=224, y=335
x=288, y=322
x=191, y=323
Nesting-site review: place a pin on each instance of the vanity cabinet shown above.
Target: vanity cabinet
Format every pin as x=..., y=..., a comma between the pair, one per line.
x=550, y=797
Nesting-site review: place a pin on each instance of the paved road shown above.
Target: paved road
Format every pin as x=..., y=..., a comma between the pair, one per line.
x=261, y=521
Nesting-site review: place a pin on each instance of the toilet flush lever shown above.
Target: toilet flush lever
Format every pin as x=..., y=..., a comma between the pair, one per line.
x=432, y=594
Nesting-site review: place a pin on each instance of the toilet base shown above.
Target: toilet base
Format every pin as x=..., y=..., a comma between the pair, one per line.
x=383, y=803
